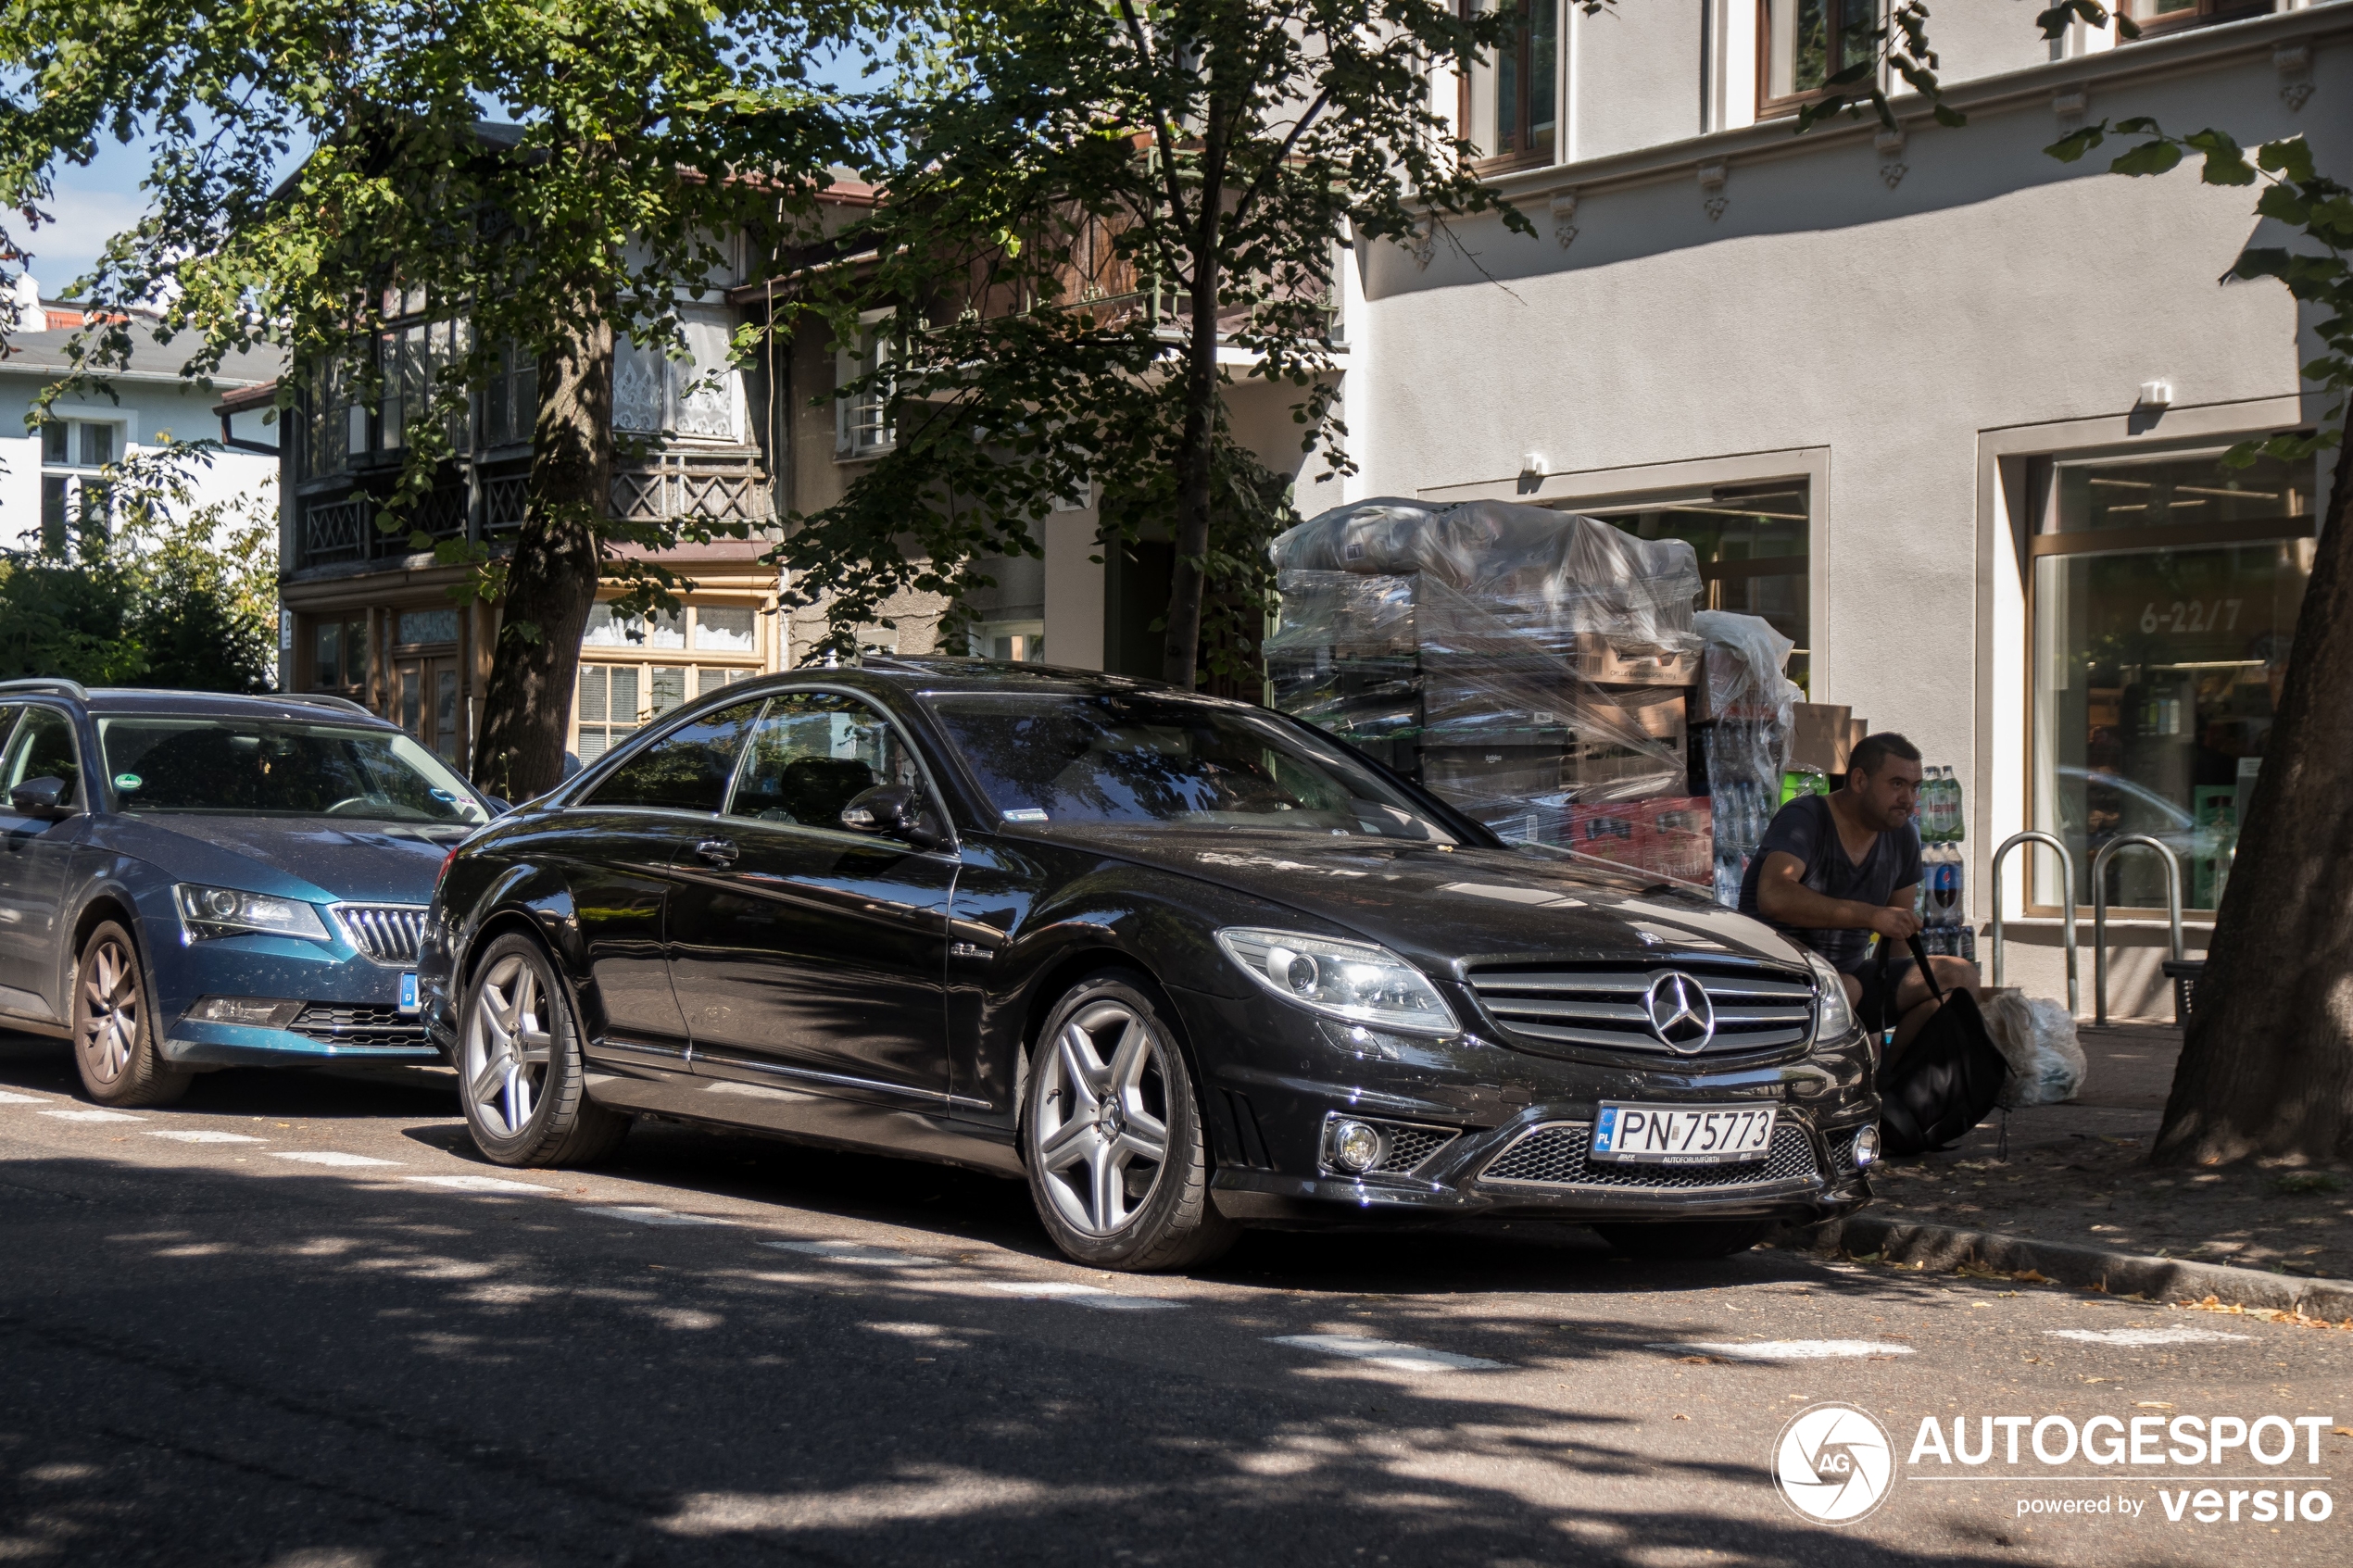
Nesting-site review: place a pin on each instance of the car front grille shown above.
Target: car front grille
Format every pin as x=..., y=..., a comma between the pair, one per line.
x=339, y=1023
x=1756, y=1007
x=1843, y=1152
x=1553, y=1156
x=390, y=933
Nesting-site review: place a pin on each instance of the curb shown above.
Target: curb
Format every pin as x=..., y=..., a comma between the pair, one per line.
x=2119, y=1274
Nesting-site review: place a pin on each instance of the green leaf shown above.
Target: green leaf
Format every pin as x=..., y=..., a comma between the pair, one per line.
x=2149, y=157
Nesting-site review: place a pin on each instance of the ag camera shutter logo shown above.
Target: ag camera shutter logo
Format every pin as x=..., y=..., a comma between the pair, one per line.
x=1833, y=1463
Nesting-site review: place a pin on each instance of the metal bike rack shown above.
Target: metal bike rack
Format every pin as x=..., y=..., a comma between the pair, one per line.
x=2099, y=909
x=2066, y=880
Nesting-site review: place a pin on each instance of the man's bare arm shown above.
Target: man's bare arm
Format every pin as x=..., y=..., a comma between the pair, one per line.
x=1782, y=895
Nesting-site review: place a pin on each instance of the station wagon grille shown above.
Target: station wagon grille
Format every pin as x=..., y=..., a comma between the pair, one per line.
x=1553, y=1156
x=361, y=1023
x=390, y=933
x=1549, y=1005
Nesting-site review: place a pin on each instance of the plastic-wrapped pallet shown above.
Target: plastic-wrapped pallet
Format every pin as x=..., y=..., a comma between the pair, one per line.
x=1747, y=702
x=1518, y=660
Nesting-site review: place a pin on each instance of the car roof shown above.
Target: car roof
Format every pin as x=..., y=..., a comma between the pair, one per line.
x=228, y=705
x=940, y=673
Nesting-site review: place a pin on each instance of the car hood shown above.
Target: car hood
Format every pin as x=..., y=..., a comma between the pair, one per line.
x=319, y=860
x=1437, y=906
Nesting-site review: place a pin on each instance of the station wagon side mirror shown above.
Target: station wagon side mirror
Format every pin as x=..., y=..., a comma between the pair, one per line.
x=893, y=810
x=41, y=797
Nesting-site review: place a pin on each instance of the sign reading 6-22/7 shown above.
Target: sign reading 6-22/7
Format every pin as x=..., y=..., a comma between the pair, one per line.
x=2191, y=615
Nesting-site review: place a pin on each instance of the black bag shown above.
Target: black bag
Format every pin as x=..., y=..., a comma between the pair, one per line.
x=1946, y=1081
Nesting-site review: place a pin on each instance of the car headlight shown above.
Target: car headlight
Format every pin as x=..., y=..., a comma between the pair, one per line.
x=1838, y=1014
x=207, y=912
x=1349, y=980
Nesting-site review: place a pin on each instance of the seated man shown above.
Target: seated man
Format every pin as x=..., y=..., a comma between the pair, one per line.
x=1832, y=868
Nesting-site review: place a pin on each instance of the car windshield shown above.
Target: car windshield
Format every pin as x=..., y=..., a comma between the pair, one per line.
x=170, y=762
x=1151, y=758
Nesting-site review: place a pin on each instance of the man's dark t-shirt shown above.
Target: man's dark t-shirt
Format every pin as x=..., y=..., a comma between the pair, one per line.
x=1805, y=828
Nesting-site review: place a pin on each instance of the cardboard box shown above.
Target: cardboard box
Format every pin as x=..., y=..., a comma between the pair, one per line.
x=1820, y=735
x=1598, y=659
x=1607, y=831
x=1679, y=838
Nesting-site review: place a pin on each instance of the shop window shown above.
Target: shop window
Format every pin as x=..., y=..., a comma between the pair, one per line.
x=2166, y=588
x=1752, y=543
x=1014, y=642
x=1509, y=102
x=1806, y=43
x=2168, y=16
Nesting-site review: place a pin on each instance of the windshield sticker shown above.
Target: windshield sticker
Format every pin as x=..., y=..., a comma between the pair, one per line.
x=1026, y=814
x=127, y=781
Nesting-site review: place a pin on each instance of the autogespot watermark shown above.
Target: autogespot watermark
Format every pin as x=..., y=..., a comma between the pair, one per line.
x=1835, y=1465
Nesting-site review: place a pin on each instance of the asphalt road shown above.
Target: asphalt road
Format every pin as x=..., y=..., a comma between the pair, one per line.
x=295, y=1321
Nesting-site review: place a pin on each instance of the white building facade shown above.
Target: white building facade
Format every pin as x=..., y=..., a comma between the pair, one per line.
x=1943, y=409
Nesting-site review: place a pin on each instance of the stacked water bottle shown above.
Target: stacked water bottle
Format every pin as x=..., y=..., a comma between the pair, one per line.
x=1943, y=903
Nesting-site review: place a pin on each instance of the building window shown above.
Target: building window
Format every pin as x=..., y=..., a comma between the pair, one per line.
x=1014, y=642
x=617, y=694
x=1804, y=44
x=657, y=392
x=1751, y=543
x=862, y=425
x=410, y=360
x=2167, y=16
x=74, y=454
x=1508, y=104
x=339, y=655
x=510, y=403
x=2165, y=597
x=724, y=628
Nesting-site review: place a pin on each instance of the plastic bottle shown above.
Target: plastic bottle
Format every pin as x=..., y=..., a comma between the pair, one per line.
x=1957, y=828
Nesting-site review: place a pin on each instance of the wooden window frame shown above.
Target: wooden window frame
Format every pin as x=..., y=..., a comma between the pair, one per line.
x=2203, y=13
x=1770, y=107
x=1518, y=158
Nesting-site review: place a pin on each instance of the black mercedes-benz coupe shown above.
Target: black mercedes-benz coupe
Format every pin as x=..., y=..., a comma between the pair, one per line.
x=1184, y=964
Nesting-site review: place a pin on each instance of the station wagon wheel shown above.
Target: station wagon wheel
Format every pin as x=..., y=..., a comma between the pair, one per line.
x=1112, y=1135
x=115, y=1050
x=520, y=1075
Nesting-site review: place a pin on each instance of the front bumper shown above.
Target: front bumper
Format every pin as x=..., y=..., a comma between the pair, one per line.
x=1491, y=1131
x=351, y=1005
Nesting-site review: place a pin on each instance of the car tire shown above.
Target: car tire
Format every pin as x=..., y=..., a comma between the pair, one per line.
x=1686, y=1238
x=1111, y=1133
x=520, y=1077
x=116, y=1047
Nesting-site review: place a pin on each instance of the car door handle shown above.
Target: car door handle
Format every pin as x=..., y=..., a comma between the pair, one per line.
x=719, y=852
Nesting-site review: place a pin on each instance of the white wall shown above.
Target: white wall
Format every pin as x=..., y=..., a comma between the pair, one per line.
x=150, y=413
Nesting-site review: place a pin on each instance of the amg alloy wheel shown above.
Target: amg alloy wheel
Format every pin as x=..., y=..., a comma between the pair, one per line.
x=1111, y=1133
x=519, y=1067
x=114, y=1045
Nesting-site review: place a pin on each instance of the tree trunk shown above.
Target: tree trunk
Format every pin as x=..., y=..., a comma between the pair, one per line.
x=2267, y=1069
x=551, y=582
x=1180, y=655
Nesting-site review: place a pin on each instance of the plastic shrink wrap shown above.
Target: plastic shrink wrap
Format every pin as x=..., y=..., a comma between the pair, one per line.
x=1747, y=701
x=1529, y=667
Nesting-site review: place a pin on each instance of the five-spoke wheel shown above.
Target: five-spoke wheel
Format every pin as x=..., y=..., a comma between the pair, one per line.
x=1112, y=1135
x=519, y=1065
x=114, y=1046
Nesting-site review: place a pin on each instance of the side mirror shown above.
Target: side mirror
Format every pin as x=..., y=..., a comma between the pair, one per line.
x=892, y=810
x=41, y=797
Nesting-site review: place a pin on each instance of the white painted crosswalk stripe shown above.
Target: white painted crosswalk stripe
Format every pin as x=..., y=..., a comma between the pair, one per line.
x=1787, y=1349
x=646, y=1214
x=93, y=1116
x=2178, y=1334
x=1083, y=1296
x=191, y=1134
x=851, y=1252
x=1386, y=1352
x=482, y=1184
x=329, y=1157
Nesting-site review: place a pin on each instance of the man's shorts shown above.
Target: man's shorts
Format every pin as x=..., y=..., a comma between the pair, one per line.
x=1879, y=983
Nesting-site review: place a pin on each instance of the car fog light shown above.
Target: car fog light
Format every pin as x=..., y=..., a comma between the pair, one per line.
x=1867, y=1148
x=1356, y=1146
x=262, y=1012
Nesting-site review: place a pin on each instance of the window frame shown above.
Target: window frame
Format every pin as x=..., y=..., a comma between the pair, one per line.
x=1503, y=159
x=936, y=803
x=1770, y=107
x=2202, y=13
x=852, y=411
x=2039, y=543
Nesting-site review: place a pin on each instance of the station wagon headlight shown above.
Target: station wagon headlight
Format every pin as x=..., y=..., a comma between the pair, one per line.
x=1838, y=1014
x=207, y=912
x=1354, y=981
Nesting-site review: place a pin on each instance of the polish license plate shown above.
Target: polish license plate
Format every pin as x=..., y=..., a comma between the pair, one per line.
x=1681, y=1135
x=408, y=993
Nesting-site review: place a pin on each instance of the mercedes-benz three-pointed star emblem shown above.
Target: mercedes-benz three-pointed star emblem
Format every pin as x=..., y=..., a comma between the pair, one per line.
x=1681, y=1014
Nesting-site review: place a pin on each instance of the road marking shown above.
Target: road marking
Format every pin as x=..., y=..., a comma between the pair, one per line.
x=646, y=1214
x=21, y=1100
x=1385, y=1353
x=196, y=1135
x=1790, y=1350
x=2180, y=1334
x=331, y=1157
x=1083, y=1296
x=93, y=1116
x=851, y=1252
x=481, y=1184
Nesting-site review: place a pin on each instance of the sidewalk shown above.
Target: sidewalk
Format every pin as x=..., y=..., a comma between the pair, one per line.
x=2075, y=1196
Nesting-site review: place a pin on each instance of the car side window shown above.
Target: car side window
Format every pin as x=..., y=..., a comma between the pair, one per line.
x=686, y=769
x=813, y=753
x=8, y=712
x=42, y=748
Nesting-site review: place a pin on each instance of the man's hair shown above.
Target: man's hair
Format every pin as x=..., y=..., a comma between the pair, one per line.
x=1871, y=752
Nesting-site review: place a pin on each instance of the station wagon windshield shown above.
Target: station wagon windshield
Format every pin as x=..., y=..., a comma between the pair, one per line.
x=173, y=763
x=1086, y=758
